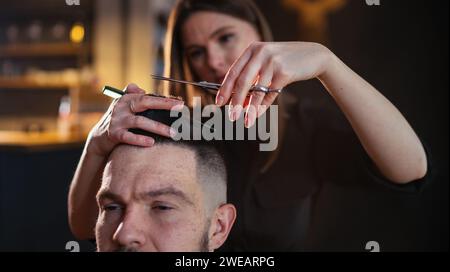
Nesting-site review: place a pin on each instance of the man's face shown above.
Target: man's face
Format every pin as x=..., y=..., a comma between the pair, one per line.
x=150, y=200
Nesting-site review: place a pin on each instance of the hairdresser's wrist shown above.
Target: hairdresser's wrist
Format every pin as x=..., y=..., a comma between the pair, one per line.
x=98, y=146
x=331, y=69
x=328, y=62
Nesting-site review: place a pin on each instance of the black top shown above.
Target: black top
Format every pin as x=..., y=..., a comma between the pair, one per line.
x=274, y=207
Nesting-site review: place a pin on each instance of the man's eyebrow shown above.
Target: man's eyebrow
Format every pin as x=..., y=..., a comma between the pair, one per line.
x=218, y=31
x=170, y=191
x=106, y=194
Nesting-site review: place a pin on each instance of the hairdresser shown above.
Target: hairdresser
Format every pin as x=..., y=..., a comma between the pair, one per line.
x=362, y=136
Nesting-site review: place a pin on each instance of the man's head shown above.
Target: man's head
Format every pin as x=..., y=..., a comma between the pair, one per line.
x=169, y=197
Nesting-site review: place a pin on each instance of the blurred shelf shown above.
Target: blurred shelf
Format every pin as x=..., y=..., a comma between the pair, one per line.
x=11, y=139
x=50, y=138
x=24, y=83
x=42, y=50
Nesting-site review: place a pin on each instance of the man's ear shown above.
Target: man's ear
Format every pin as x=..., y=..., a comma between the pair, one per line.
x=221, y=224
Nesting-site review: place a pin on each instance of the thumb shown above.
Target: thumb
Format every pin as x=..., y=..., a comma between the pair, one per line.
x=134, y=89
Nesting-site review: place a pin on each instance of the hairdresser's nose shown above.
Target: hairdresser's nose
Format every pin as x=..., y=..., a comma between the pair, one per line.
x=216, y=61
x=130, y=232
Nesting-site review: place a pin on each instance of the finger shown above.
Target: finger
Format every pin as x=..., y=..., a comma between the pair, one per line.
x=265, y=77
x=243, y=85
x=112, y=105
x=266, y=103
x=270, y=97
x=135, y=139
x=140, y=103
x=224, y=94
x=133, y=88
x=149, y=125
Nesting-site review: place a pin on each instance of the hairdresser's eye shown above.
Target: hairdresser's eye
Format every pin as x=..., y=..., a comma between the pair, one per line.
x=196, y=54
x=226, y=38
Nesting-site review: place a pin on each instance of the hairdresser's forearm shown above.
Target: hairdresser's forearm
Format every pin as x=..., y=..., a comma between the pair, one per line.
x=82, y=206
x=384, y=133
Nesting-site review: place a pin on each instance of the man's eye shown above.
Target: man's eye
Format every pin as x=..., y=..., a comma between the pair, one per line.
x=162, y=208
x=226, y=38
x=112, y=207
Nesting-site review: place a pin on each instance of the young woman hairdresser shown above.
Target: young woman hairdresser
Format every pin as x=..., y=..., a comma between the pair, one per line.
x=229, y=42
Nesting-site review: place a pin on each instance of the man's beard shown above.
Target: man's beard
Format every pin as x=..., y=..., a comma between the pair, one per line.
x=126, y=249
x=203, y=244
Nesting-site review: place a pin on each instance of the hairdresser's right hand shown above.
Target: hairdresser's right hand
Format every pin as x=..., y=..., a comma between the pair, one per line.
x=112, y=129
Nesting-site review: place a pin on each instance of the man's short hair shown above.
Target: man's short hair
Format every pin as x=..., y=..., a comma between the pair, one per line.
x=211, y=167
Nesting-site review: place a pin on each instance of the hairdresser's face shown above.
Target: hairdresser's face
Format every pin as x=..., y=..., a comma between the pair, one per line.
x=150, y=200
x=213, y=41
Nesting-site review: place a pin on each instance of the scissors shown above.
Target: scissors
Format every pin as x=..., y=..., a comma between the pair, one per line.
x=214, y=87
x=210, y=87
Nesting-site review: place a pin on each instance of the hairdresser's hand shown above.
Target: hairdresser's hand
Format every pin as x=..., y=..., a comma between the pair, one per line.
x=273, y=65
x=112, y=129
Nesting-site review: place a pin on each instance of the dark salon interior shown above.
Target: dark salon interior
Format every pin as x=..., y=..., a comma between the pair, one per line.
x=55, y=57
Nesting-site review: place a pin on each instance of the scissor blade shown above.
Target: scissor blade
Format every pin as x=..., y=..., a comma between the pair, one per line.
x=212, y=87
x=180, y=81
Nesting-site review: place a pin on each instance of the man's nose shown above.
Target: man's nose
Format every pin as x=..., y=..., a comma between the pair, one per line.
x=130, y=233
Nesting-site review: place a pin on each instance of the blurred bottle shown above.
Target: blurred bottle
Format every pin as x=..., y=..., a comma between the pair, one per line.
x=35, y=31
x=58, y=32
x=64, y=118
x=12, y=34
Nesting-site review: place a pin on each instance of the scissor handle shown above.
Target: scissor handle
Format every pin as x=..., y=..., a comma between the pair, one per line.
x=255, y=88
x=260, y=88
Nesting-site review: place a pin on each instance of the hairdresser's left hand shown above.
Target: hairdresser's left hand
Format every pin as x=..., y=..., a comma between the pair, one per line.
x=273, y=65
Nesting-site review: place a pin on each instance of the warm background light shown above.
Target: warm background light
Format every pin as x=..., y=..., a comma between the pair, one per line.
x=77, y=33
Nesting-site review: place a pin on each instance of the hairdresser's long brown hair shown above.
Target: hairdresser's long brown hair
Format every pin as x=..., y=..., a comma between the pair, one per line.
x=175, y=62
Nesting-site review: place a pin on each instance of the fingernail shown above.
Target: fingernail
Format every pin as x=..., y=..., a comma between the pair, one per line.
x=173, y=132
x=178, y=107
x=237, y=110
x=249, y=117
x=230, y=113
x=249, y=120
x=132, y=87
x=151, y=142
x=219, y=100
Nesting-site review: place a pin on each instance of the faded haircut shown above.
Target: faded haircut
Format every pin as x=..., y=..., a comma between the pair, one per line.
x=211, y=168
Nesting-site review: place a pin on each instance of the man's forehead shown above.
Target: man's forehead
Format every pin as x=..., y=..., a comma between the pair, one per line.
x=151, y=168
x=165, y=158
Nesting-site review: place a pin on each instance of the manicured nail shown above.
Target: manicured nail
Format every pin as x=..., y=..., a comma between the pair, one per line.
x=150, y=142
x=173, y=132
x=230, y=113
x=250, y=117
x=219, y=100
x=237, y=110
x=178, y=107
x=249, y=120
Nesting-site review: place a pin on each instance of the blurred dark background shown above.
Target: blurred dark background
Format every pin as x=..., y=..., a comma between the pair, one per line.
x=401, y=47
